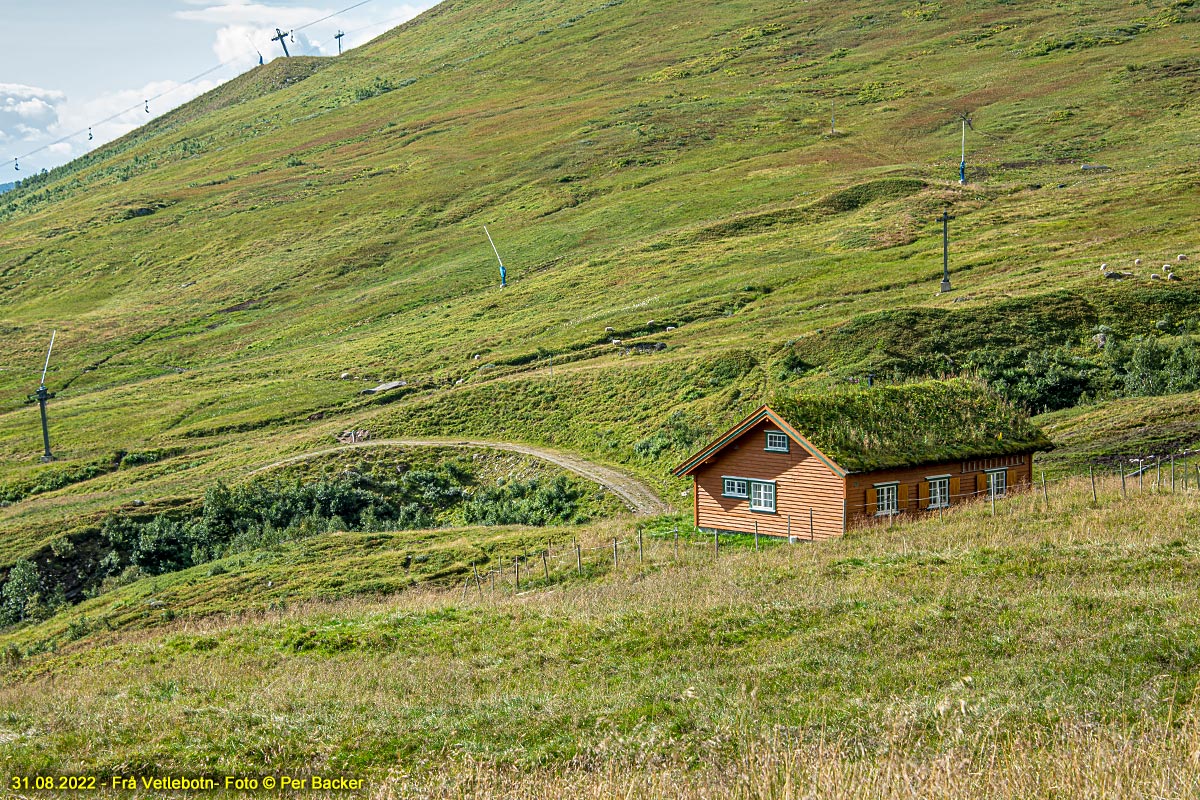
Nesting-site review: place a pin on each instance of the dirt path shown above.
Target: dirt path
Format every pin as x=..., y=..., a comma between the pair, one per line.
x=635, y=494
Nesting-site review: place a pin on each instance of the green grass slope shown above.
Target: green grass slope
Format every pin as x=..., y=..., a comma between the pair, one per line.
x=641, y=165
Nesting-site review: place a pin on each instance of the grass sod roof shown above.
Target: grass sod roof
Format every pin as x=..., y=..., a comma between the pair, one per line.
x=866, y=429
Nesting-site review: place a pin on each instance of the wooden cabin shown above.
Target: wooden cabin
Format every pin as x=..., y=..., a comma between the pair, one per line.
x=769, y=475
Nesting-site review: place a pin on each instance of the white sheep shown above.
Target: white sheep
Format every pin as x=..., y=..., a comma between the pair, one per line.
x=1181, y=257
x=1104, y=267
x=609, y=329
x=1137, y=262
x=616, y=341
x=1166, y=267
x=670, y=328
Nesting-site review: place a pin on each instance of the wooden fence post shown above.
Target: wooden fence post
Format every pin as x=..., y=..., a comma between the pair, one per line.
x=756, y=536
x=789, y=529
x=1045, y=491
x=578, y=559
x=641, y=555
x=517, y=571
x=492, y=575
x=676, y=542
x=1123, y=492
x=478, y=584
x=1172, y=474
x=616, y=563
x=1092, y=476
x=844, y=508
x=810, y=525
x=1158, y=481
x=717, y=543
x=545, y=566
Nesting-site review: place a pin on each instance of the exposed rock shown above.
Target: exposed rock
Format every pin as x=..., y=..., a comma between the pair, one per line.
x=385, y=387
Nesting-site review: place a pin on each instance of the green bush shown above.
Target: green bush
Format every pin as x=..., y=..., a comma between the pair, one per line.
x=21, y=597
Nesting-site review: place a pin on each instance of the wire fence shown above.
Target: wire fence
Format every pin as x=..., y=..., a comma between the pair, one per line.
x=678, y=543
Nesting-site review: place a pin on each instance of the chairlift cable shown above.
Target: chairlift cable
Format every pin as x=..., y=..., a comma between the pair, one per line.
x=15, y=161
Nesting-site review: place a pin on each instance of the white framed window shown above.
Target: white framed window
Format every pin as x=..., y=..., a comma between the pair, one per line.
x=997, y=483
x=762, y=496
x=777, y=442
x=735, y=487
x=939, y=491
x=887, y=498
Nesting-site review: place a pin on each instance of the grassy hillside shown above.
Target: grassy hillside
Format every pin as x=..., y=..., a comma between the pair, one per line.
x=214, y=274
x=227, y=281
x=897, y=662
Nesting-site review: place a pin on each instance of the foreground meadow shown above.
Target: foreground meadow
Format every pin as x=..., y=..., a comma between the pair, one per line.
x=1046, y=651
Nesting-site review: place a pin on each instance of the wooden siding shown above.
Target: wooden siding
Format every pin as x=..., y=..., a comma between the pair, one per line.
x=968, y=482
x=801, y=483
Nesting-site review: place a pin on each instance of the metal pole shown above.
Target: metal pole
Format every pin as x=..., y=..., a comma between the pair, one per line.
x=946, y=250
x=43, y=395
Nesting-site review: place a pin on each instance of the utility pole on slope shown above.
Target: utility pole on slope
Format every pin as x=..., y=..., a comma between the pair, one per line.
x=281, y=37
x=945, y=220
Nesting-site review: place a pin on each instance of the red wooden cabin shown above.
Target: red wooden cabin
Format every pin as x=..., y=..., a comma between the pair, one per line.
x=765, y=475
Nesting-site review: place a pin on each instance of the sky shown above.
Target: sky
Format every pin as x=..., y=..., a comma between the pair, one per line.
x=67, y=65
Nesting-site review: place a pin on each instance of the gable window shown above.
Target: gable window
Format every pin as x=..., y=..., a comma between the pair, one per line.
x=939, y=491
x=886, y=498
x=997, y=483
x=777, y=442
x=762, y=496
x=736, y=487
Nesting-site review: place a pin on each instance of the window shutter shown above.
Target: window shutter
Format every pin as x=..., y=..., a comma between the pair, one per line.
x=955, y=489
x=872, y=501
x=1010, y=478
x=902, y=497
x=981, y=483
x=923, y=495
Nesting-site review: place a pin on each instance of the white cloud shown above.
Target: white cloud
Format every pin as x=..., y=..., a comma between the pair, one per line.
x=27, y=112
x=255, y=14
